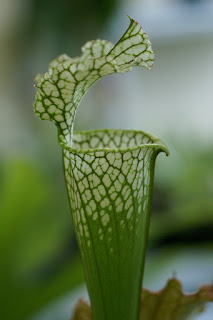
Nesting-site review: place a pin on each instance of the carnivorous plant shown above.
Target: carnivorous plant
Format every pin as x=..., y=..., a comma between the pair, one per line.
x=109, y=174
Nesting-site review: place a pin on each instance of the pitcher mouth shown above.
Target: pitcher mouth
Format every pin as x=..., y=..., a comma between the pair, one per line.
x=114, y=140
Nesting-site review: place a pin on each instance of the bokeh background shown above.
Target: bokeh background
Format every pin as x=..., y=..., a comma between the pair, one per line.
x=39, y=260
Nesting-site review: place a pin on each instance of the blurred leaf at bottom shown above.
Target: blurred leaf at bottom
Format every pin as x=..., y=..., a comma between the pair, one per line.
x=169, y=304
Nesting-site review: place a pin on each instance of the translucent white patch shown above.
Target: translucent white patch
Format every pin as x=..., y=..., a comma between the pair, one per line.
x=94, y=179
x=96, y=195
x=130, y=177
x=58, y=102
x=63, y=125
x=106, y=180
x=104, y=203
x=95, y=216
x=105, y=166
x=118, y=163
x=129, y=214
x=89, y=210
x=127, y=156
x=61, y=84
x=40, y=108
x=126, y=194
x=51, y=109
x=98, y=170
x=128, y=203
x=118, y=186
x=113, y=195
x=89, y=158
x=125, y=168
x=102, y=190
x=92, y=205
x=121, y=178
x=88, y=194
x=105, y=220
x=45, y=116
x=120, y=207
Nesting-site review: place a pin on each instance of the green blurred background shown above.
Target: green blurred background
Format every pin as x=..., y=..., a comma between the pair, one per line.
x=39, y=259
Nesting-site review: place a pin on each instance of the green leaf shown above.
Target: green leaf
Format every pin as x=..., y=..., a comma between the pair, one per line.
x=168, y=304
x=60, y=90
